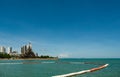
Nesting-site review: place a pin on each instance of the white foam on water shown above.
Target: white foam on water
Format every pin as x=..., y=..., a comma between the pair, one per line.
x=10, y=63
x=47, y=62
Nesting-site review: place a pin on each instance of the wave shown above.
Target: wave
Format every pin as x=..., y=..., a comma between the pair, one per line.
x=10, y=63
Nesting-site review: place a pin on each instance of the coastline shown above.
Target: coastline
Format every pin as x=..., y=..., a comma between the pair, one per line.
x=29, y=58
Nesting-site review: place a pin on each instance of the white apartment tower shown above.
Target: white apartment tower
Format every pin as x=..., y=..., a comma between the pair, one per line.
x=9, y=50
x=25, y=48
x=2, y=49
x=29, y=46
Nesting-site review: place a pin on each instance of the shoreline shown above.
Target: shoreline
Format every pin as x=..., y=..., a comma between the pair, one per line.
x=29, y=58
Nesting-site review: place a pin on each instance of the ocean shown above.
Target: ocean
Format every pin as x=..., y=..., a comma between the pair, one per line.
x=49, y=68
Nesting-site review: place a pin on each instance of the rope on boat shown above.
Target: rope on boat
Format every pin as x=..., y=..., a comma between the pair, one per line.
x=82, y=72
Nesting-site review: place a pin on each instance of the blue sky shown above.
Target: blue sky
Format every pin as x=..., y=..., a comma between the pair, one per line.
x=64, y=28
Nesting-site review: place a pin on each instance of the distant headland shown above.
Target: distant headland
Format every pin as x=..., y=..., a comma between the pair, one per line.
x=27, y=53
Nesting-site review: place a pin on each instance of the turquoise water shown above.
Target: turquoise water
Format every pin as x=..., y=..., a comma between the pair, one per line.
x=48, y=68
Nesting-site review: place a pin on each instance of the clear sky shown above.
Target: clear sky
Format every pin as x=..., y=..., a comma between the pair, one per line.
x=66, y=28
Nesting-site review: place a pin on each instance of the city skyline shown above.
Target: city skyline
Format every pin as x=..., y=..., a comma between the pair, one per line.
x=9, y=49
x=64, y=28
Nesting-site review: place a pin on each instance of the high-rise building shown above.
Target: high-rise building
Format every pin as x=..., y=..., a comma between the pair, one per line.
x=9, y=50
x=23, y=49
x=2, y=49
x=30, y=45
x=26, y=51
x=26, y=48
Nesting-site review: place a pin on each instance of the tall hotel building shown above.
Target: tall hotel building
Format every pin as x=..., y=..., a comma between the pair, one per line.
x=9, y=50
x=25, y=48
x=2, y=49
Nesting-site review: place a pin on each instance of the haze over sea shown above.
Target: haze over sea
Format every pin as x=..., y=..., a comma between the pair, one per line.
x=48, y=68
